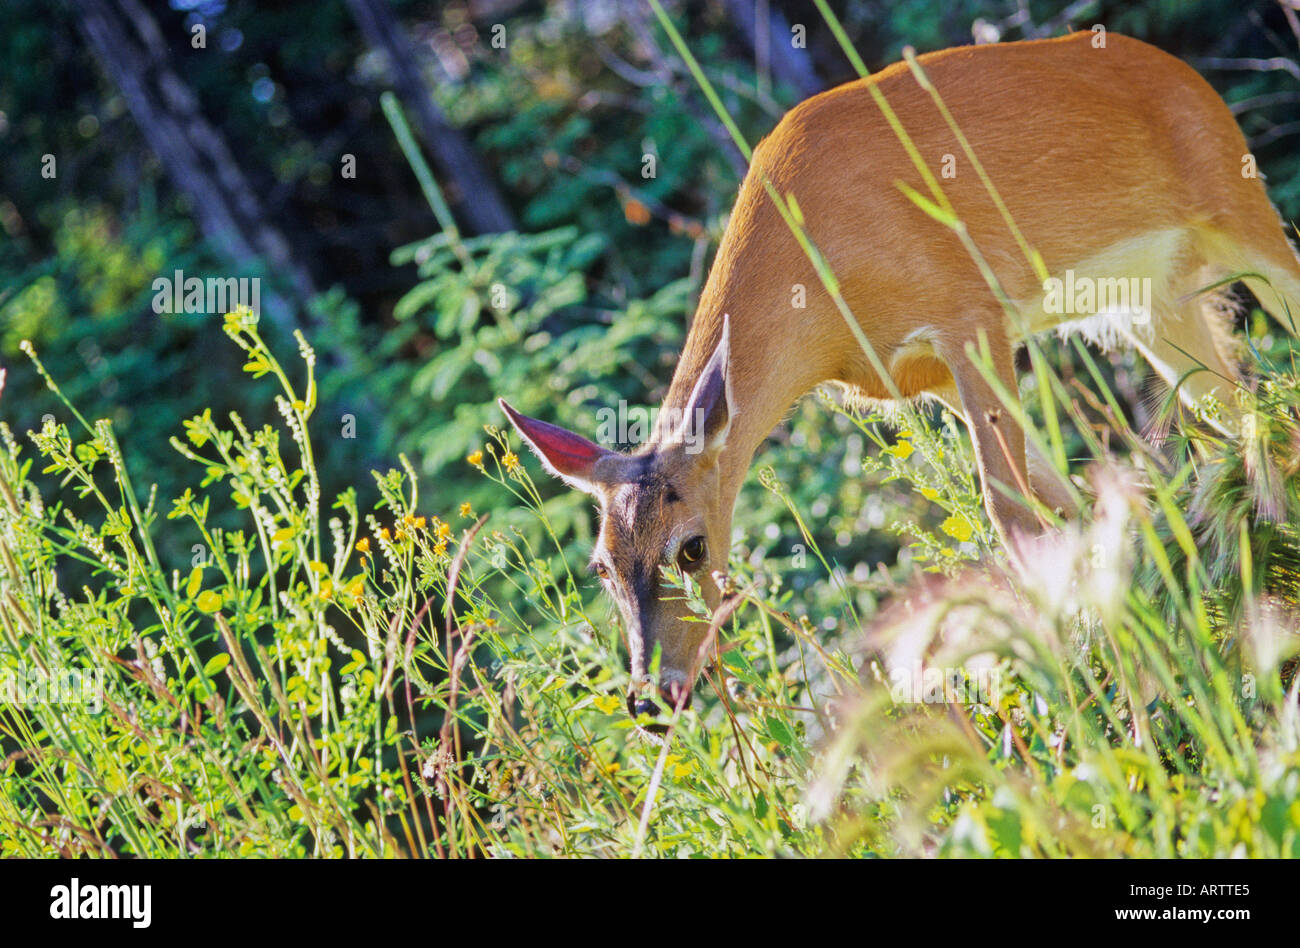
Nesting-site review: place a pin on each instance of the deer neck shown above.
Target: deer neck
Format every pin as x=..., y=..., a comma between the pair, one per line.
x=768, y=373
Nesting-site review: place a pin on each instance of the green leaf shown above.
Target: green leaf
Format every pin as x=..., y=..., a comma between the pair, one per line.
x=947, y=218
x=779, y=731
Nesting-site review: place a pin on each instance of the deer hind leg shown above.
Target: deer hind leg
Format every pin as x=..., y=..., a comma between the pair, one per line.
x=1192, y=349
x=998, y=441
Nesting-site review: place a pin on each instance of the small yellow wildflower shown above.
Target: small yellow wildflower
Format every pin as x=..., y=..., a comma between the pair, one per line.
x=401, y=535
x=510, y=460
x=356, y=588
x=440, y=548
x=466, y=510
x=444, y=530
x=418, y=523
x=958, y=526
x=902, y=449
x=363, y=545
x=326, y=588
x=384, y=534
x=476, y=458
x=408, y=519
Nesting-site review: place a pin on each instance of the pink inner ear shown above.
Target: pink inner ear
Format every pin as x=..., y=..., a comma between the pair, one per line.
x=567, y=453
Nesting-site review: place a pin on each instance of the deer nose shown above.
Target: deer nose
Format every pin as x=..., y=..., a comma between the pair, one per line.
x=639, y=706
x=670, y=692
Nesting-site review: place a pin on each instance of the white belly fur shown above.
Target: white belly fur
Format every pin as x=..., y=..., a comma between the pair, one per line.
x=1142, y=265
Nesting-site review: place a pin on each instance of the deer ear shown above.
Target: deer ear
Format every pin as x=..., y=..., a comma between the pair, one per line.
x=568, y=456
x=707, y=418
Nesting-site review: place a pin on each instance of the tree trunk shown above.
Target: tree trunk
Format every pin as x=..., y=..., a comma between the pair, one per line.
x=131, y=50
x=129, y=46
x=768, y=35
x=473, y=195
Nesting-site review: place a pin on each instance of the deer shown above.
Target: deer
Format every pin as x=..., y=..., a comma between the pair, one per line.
x=1116, y=161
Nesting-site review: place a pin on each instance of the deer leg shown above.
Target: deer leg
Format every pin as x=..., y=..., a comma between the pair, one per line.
x=1191, y=349
x=1047, y=484
x=1044, y=480
x=999, y=442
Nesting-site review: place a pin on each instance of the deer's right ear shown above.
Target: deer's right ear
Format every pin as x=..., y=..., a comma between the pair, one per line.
x=707, y=418
x=568, y=456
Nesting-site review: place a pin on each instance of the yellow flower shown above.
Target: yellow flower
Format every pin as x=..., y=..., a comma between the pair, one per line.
x=418, y=523
x=959, y=527
x=466, y=510
x=510, y=460
x=476, y=459
x=363, y=545
x=326, y=588
x=401, y=535
x=441, y=548
x=384, y=534
x=356, y=588
x=444, y=530
x=408, y=520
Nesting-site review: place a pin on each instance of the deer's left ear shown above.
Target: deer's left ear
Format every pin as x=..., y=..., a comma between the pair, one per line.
x=708, y=415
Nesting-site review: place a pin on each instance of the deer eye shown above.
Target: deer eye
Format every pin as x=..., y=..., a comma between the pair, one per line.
x=601, y=570
x=691, y=553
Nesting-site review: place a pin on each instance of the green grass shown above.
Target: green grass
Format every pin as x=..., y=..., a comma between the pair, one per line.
x=300, y=689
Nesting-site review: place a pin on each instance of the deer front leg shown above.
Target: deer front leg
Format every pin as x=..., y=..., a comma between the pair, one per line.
x=1048, y=485
x=999, y=442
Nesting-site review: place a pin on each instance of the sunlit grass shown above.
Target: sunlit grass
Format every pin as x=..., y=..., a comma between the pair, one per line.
x=305, y=688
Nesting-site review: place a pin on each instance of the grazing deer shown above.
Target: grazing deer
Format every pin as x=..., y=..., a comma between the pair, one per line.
x=1116, y=162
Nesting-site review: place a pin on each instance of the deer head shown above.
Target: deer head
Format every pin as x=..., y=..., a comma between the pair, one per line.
x=661, y=507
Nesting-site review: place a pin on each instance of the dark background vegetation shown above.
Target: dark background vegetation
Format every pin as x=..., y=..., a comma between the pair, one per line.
x=158, y=142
